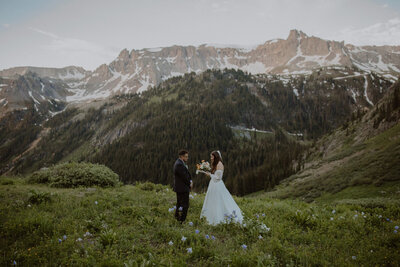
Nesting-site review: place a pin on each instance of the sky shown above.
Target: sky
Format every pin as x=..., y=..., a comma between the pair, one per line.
x=88, y=33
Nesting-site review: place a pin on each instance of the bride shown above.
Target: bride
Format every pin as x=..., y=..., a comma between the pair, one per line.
x=219, y=204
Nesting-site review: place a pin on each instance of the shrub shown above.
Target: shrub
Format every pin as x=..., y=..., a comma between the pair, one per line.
x=75, y=174
x=38, y=197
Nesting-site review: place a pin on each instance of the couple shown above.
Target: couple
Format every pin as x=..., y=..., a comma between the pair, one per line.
x=218, y=203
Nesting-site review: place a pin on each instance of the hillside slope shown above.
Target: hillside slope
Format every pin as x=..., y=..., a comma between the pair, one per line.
x=364, y=151
x=132, y=134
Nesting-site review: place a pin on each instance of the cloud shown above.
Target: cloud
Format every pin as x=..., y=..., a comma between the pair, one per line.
x=76, y=48
x=382, y=33
x=6, y=25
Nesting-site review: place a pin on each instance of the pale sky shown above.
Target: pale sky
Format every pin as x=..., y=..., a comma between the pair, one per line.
x=88, y=33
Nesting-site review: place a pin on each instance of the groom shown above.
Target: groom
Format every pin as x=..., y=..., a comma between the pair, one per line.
x=182, y=185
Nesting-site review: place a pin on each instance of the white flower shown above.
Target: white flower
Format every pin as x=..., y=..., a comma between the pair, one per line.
x=195, y=194
x=260, y=237
x=87, y=234
x=170, y=243
x=79, y=239
x=331, y=218
x=333, y=211
x=189, y=250
x=180, y=208
x=191, y=196
x=264, y=227
x=183, y=238
x=29, y=205
x=96, y=202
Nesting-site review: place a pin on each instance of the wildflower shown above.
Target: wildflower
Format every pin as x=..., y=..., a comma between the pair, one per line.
x=395, y=231
x=380, y=216
x=197, y=231
x=260, y=237
x=189, y=250
x=79, y=239
x=195, y=194
x=191, y=196
x=59, y=240
x=331, y=218
x=244, y=246
x=257, y=216
x=396, y=227
x=353, y=257
x=207, y=237
x=191, y=223
x=170, y=243
x=14, y=262
x=29, y=205
x=333, y=211
x=180, y=208
x=264, y=227
x=183, y=238
x=64, y=237
x=213, y=237
x=263, y=214
x=87, y=234
x=362, y=213
x=171, y=209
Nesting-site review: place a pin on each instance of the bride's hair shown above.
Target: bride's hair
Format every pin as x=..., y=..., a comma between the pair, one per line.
x=217, y=159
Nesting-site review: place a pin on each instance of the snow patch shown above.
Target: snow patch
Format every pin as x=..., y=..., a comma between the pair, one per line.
x=365, y=90
x=34, y=99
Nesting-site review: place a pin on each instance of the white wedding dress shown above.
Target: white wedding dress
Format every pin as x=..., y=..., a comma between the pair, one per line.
x=218, y=204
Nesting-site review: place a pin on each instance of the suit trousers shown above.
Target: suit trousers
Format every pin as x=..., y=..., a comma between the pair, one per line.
x=183, y=202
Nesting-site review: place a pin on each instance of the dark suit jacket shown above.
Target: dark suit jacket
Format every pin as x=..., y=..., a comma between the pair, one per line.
x=182, y=177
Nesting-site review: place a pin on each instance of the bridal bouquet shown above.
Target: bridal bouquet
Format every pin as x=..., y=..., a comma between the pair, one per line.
x=203, y=167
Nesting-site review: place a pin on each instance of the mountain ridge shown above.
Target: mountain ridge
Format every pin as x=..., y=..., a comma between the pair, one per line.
x=134, y=71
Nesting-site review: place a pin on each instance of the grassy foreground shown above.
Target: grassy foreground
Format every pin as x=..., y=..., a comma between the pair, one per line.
x=133, y=226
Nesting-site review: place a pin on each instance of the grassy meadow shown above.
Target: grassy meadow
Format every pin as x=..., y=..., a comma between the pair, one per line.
x=134, y=225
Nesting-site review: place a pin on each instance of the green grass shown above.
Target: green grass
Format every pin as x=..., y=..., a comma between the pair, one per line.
x=374, y=162
x=131, y=226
